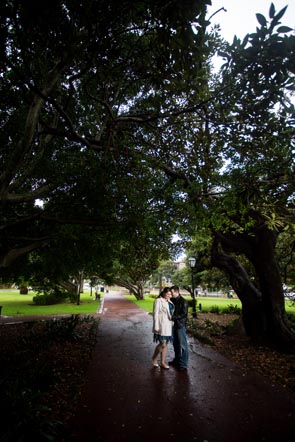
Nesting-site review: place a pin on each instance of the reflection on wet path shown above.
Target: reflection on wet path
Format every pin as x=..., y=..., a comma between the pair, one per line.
x=127, y=399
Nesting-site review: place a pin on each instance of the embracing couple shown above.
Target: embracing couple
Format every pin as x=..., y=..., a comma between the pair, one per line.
x=169, y=325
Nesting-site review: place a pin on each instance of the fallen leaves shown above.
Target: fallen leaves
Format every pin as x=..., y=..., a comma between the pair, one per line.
x=279, y=368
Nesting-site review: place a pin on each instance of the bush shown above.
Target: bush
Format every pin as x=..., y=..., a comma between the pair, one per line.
x=38, y=362
x=232, y=309
x=196, y=331
x=291, y=319
x=54, y=296
x=215, y=309
x=213, y=327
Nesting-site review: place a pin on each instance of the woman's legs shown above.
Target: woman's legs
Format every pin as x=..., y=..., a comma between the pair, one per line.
x=160, y=349
x=163, y=355
x=157, y=351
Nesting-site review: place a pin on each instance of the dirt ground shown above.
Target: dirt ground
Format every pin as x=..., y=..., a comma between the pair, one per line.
x=279, y=368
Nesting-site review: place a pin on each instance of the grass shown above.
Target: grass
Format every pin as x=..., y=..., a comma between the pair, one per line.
x=207, y=303
x=15, y=304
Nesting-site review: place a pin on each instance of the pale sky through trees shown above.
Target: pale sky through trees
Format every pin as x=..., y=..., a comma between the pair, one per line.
x=240, y=17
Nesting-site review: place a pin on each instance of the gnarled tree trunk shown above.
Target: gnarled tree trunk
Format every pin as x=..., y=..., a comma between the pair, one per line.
x=251, y=299
x=136, y=289
x=267, y=270
x=263, y=307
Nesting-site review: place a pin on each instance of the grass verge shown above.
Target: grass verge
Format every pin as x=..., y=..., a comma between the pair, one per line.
x=208, y=304
x=15, y=304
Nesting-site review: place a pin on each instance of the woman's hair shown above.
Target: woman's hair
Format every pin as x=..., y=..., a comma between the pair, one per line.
x=164, y=292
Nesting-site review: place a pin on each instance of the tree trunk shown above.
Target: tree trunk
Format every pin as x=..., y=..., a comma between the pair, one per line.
x=140, y=291
x=23, y=290
x=273, y=301
x=79, y=282
x=68, y=286
x=250, y=297
x=267, y=311
x=136, y=289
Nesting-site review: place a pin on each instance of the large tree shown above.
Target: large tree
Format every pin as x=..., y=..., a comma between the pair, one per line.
x=79, y=83
x=100, y=94
x=259, y=180
x=239, y=173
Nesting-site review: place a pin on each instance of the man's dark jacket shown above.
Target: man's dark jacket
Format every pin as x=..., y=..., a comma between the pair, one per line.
x=180, y=313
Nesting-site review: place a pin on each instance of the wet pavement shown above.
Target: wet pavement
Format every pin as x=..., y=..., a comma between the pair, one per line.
x=127, y=399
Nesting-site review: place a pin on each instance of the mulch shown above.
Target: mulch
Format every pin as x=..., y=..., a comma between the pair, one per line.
x=277, y=367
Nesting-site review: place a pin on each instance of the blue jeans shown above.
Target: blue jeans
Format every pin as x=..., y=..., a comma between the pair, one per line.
x=180, y=347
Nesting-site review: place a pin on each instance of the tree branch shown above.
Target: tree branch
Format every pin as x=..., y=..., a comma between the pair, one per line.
x=8, y=258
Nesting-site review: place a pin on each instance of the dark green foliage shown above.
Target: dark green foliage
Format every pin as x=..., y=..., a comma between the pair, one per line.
x=232, y=309
x=112, y=117
x=291, y=319
x=247, y=205
x=214, y=309
x=153, y=296
x=29, y=373
x=82, y=84
x=85, y=87
x=55, y=296
x=65, y=329
x=197, y=332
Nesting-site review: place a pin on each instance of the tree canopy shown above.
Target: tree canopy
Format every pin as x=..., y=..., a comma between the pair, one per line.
x=113, y=118
x=80, y=84
x=248, y=200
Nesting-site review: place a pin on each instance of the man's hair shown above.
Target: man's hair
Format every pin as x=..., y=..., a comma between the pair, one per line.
x=175, y=288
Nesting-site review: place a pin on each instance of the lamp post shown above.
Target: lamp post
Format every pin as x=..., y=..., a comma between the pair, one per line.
x=192, y=263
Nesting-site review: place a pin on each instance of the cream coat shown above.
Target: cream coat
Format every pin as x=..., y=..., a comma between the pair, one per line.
x=162, y=319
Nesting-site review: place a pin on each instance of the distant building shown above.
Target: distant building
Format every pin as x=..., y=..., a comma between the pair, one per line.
x=180, y=265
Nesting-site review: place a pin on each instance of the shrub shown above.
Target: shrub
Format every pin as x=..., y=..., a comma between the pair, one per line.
x=53, y=296
x=196, y=331
x=232, y=309
x=213, y=327
x=36, y=368
x=291, y=319
x=215, y=309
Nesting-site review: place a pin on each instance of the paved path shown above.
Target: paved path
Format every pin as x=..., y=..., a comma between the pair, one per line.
x=127, y=399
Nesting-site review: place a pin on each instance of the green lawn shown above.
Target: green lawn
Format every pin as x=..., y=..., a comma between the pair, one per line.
x=206, y=302
x=15, y=304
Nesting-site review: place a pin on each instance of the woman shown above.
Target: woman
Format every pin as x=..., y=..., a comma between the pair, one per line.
x=162, y=326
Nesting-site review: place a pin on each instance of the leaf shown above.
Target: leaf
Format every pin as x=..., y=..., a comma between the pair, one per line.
x=245, y=41
x=280, y=14
x=284, y=29
x=223, y=54
x=261, y=19
x=272, y=11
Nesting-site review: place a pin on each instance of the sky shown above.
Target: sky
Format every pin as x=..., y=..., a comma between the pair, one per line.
x=240, y=16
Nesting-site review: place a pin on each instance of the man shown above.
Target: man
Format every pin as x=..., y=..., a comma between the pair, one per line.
x=179, y=317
